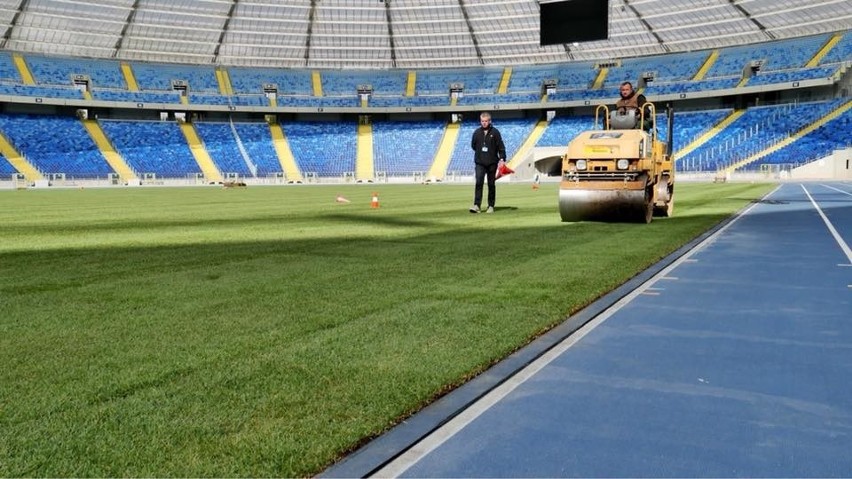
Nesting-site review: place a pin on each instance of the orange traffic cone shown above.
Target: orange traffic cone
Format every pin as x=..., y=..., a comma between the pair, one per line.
x=342, y=199
x=502, y=171
x=374, y=203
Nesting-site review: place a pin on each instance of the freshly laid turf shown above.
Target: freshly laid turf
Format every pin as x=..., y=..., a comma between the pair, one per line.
x=266, y=331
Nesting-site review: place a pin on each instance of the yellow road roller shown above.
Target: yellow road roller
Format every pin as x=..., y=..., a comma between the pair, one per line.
x=619, y=171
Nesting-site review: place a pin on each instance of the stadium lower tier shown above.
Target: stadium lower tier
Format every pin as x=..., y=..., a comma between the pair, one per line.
x=703, y=140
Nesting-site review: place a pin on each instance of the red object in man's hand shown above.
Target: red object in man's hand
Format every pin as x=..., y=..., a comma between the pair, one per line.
x=502, y=171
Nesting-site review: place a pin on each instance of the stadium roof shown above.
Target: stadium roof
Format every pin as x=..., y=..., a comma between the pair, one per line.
x=391, y=33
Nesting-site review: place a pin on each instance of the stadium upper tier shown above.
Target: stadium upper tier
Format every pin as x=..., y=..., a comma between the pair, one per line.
x=387, y=34
x=405, y=148
x=824, y=57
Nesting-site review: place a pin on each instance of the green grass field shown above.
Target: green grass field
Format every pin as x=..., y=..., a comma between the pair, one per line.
x=269, y=330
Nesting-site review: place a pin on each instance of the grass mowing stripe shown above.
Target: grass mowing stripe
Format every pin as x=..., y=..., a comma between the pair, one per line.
x=266, y=331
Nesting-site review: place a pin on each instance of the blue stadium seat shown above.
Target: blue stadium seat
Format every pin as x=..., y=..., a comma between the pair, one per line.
x=152, y=147
x=820, y=143
x=257, y=140
x=562, y=129
x=136, y=96
x=391, y=82
x=222, y=146
x=8, y=71
x=41, y=91
x=436, y=82
x=61, y=71
x=405, y=147
x=153, y=76
x=755, y=130
x=55, y=144
x=327, y=148
x=289, y=82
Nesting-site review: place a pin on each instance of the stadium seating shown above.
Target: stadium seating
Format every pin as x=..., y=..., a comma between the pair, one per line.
x=821, y=142
x=152, y=147
x=757, y=129
x=568, y=76
x=778, y=55
x=55, y=144
x=327, y=148
x=41, y=91
x=841, y=52
x=403, y=148
x=6, y=168
x=61, y=71
x=257, y=141
x=390, y=82
x=668, y=68
x=136, y=96
x=563, y=129
x=461, y=161
x=403, y=101
x=288, y=82
x=495, y=99
x=8, y=71
x=431, y=82
x=153, y=76
x=222, y=146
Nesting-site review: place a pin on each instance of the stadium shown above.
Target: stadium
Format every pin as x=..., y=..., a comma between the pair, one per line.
x=236, y=239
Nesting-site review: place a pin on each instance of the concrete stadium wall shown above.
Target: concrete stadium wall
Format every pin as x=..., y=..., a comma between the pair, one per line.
x=837, y=166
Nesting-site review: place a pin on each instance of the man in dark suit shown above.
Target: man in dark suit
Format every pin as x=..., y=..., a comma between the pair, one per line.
x=489, y=154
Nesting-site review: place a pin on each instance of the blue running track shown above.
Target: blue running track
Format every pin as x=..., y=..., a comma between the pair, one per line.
x=735, y=360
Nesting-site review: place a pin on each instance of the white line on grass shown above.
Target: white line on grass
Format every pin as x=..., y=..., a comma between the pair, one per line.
x=431, y=442
x=837, y=237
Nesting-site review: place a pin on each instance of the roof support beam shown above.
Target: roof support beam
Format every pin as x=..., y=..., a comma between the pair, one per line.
x=224, y=30
x=127, y=22
x=390, y=34
x=472, y=33
x=14, y=23
x=752, y=19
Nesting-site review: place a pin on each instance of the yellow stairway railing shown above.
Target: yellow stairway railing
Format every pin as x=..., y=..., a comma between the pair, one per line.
x=364, y=169
x=528, y=144
x=285, y=154
x=112, y=157
x=18, y=161
x=199, y=152
x=445, y=151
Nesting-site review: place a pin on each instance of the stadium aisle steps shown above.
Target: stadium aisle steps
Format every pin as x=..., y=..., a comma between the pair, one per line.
x=115, y=160
x=743, y=82
x=710, y=134
x=708, y=64
x=411, y=83
x=445, y=151
x=600, y=79
x=792, y=138
x=129, y=77
x=528, y=144
x=199, y=152
x=504, y=81
x=18, y=161
x=224, y=82
x=316, y=83
x=23, y=69
x=285, y=154
x=364, y=169
x=834, y=40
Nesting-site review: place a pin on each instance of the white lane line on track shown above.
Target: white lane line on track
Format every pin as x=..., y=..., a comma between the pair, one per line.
x=412, y=456
x=837, y=237
x=837, y=190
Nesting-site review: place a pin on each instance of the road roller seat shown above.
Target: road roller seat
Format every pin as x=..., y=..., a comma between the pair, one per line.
x=624, y=120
